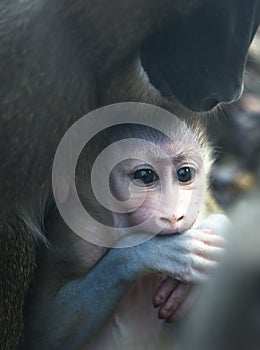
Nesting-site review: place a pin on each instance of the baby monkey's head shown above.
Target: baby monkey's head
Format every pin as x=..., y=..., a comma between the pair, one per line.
x=145, y=177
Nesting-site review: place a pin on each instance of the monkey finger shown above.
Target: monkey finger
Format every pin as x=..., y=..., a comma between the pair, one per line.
x=209, y=252
x=165, y=289
x=204, y=266
x=218, y=223
x=212, y=239
x=174, y=301
x=200, y=271
x=185, y=307
x=209, y=232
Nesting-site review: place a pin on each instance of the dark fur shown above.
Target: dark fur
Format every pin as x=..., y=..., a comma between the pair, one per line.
x=61, y=59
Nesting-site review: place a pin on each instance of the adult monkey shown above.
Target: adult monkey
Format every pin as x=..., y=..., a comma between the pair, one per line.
x=58, y=62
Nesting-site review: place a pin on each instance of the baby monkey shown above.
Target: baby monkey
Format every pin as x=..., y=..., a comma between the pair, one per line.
x=150, y=190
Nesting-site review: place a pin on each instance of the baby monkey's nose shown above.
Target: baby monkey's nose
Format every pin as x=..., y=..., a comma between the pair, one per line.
x=171, y=224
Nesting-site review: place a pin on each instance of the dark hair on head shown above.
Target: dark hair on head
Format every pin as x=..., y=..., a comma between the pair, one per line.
x=177, y=131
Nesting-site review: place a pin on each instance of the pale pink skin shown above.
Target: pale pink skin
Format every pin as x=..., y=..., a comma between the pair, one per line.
x=173, y=297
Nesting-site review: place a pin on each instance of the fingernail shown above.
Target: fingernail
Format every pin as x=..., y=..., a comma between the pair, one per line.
x=157, y=302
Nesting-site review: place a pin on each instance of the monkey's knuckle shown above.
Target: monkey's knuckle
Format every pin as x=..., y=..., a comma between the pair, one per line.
x=167, y=268
x=189, y=270
x=177, y=300
x=188, y=277
x=189, y=247
x=165, y=312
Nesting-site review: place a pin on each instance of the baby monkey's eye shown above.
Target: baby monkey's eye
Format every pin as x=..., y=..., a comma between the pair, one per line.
x=185, y=174
x=147, y=176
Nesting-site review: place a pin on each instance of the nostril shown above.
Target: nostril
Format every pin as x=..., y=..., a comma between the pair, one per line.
x=226, y=95
x=180, y=218
x=171, y=219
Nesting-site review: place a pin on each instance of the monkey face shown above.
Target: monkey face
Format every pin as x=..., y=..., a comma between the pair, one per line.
x=165, y=192
x=188, y=49
x=195, y=57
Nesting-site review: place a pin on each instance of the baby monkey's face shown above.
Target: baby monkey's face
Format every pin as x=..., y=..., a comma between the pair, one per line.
x=164, y=189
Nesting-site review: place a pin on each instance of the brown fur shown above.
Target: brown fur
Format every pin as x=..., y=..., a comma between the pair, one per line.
x=58, y=62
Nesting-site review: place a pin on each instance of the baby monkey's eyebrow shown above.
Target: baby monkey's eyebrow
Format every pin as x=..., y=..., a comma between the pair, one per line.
x=187, y=156
x=176, y=154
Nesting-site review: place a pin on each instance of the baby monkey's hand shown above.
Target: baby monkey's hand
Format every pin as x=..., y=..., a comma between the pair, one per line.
x=175, y=298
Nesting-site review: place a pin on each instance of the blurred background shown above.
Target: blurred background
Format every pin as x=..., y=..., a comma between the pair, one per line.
x=236, y=171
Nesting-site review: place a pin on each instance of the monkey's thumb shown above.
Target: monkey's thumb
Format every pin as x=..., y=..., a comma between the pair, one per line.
x=218, y=223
